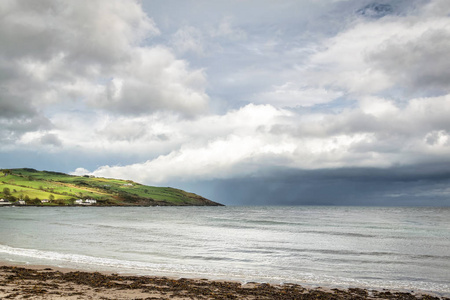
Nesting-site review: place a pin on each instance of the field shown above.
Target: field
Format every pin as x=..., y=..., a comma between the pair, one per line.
x=53, y=188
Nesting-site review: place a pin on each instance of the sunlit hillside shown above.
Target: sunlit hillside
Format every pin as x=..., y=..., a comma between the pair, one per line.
x=32, y=187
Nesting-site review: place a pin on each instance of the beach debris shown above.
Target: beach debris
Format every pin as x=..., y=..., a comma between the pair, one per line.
x=25, y=283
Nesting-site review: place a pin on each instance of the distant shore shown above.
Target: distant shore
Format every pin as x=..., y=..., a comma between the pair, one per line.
x=26, y=186
x=40, y=282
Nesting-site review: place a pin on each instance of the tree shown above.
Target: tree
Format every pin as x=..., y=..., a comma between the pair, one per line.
x=34, y=201
x=51, y=197
x=6, y=191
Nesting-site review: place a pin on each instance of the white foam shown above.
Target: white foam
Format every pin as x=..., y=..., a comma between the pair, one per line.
x=102, y=263
x=77, y=259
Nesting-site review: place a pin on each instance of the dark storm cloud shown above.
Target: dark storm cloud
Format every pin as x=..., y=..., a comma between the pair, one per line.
x=405, y=186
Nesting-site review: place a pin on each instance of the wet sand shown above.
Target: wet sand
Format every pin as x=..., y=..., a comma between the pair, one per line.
x=17, y=282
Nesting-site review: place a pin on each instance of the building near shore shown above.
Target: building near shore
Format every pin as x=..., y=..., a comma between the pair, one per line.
x=4, y=202
x=85, y=201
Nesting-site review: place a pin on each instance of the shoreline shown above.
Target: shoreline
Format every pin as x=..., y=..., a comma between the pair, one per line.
x=48, y=282
x=118, y=205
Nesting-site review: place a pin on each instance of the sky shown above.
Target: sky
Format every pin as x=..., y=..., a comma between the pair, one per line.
x=245, y=102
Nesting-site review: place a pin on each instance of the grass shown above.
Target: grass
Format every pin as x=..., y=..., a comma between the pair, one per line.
x=33, y=184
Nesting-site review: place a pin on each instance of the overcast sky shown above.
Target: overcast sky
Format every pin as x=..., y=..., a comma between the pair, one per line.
x=242, y=101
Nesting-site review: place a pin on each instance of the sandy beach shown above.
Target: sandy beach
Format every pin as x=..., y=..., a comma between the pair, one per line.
x=38, y=282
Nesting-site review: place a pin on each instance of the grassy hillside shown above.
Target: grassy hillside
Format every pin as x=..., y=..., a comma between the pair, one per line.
x=37, y=187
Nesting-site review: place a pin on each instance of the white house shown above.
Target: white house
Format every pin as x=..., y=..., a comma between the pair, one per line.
x=4, y=202
x=44, y=201
x=85, y=202
x=22, y=202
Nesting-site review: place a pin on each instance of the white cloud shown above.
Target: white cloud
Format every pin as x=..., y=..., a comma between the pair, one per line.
x=343, y=65
x=80, y=172
x=219, y=144
x=402, y=52
x=89, y=53
x=94, y=32
x=153, y=80
x=254, y=139
x=378, y=107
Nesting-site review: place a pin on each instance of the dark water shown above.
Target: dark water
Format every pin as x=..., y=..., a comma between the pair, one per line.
x=406, y=248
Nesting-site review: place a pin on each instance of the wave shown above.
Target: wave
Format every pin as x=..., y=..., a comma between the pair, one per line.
x=144, y=268
x=70, y=258
x=138, y=267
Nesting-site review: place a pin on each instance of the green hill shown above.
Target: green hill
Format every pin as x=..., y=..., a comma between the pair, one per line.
x=32, y=187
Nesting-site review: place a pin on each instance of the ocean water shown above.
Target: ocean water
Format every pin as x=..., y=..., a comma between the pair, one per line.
x=401, y=248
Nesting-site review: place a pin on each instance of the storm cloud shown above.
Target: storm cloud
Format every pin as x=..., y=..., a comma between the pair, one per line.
x=254, y=102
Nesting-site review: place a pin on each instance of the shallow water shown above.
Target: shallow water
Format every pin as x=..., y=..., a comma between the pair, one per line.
x=406, y=248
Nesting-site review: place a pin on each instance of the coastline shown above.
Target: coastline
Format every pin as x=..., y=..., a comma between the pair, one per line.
x=48, y=282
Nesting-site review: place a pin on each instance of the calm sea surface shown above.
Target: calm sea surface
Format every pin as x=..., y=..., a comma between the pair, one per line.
x=407, y=248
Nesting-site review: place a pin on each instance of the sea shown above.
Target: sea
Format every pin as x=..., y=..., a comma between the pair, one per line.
x=370, y=247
